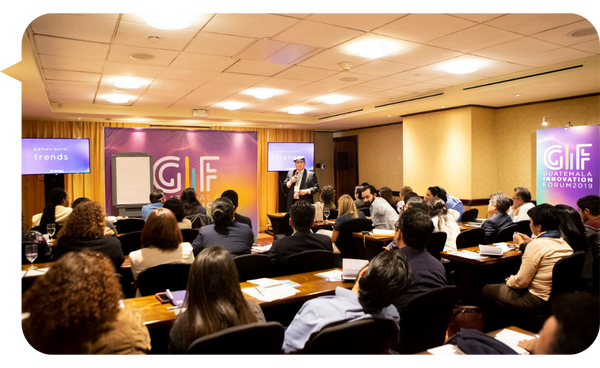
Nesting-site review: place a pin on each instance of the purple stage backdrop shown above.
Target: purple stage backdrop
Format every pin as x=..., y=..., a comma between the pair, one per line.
x=568, y=164
x=211, y=161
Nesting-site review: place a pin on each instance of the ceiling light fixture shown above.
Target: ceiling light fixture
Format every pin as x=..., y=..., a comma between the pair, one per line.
x=142, y=56
x=168, y=21
x=333, y=100
x=373, y=51
x=296, y=112
x=263, y=94
x=461, y=68
x=127, y=84
x=117, y=100
x=232, y=105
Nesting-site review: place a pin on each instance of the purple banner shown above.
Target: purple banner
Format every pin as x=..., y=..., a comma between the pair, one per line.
x=210, y=161
x=568, y=164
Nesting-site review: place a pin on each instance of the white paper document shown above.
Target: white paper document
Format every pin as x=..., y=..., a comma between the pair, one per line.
x=466, y=254
x=351, y=267
x=261, y=249
x=36, y=272
x=384, y=232
x=511, y=338
x=448, y=349
x=325, y=232
x=269, y=290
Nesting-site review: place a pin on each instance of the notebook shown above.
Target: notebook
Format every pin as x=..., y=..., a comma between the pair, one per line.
x=178, y=298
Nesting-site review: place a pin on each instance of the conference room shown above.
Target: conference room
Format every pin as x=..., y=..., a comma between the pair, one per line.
x=384, y=99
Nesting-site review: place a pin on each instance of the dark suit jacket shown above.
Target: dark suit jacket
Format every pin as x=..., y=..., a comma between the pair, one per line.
x=243, y=220
x=235, y=237
x=493, y=224
x=298, y=242
x=309, y=181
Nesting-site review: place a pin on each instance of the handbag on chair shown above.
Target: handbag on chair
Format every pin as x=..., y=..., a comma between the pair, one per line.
x=466, y=316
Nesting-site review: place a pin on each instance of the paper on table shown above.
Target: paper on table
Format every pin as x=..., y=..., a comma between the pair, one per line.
x=383, y=232
x=325, y=232
x=467, y=254
x=262, y=249
x=36, y=272
x=265, y=282
x=268, y=294
x=447, y=349
x=330, y=274
x=511, y=338
x=503, y=246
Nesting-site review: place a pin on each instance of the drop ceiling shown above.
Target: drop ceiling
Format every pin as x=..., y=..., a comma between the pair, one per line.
x=71, y=61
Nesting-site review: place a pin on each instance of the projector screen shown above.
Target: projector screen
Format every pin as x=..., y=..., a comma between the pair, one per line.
x=281, y=155
x=55, y=156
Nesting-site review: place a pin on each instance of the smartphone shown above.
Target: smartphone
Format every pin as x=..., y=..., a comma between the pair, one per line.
x=163, y=298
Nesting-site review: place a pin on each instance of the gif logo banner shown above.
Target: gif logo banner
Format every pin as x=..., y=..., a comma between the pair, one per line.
x=210, y=161
x=568, y=164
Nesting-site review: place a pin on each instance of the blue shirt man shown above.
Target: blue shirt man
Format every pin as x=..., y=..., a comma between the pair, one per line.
x=157, y=199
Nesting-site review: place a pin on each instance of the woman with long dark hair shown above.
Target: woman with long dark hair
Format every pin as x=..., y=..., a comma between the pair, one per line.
x=386, y=193
x=233, y=236
x=348, y=211
x=57, y=209
x=74, y=309
x=213, y=299
x=573, y=232
x=191, y=205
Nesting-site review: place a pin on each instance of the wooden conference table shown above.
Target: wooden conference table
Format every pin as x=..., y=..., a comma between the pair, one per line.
x=154, y=314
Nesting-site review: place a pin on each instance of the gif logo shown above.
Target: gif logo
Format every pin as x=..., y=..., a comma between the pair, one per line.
x=555, y=159
x=169, y=181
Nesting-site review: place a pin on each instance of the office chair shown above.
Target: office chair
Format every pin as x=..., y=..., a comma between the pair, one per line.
x=252, y=266
x=470, y=238
x=189, y=235
x=436, y=244
x=345, y=241
x=129, y=225
x=506, y=233
x=157, y=279
x=469, y=215
x=252, y=338
x=307, y=261
x=130, y=241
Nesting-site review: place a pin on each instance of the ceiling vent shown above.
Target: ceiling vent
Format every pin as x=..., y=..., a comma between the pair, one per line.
x=410, y=99
x=343, y=113
x=524, y=77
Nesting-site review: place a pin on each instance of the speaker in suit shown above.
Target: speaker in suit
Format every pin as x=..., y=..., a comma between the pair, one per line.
x=303, y=181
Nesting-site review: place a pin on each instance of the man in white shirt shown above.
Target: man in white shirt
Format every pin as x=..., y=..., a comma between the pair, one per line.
x=521, y=204
x=383, y=215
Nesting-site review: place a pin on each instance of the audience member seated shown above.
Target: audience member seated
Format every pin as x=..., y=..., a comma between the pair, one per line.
x=383, y=215
x=176, y=206
x=403, y=192
x=233, y=236
x=233, y=196
x=157, y=199
x=385, y=277
x=589, y=209
x=302, y=217
x=414, y=201
x=529, y=290
x=413, y=233
x=454, y=204
x=521, y=204
x=56, y=210
x=110, y=227
x=573, y=232
x=214, y=300
x=327, y=197
x=86, y=228
x=191, y=205
x=497, y=216
x=572, y=327
x=358, y=201
x=162, y=243
x=74, y=309
x=347, y=211
x=444, y=222
x=386, y=193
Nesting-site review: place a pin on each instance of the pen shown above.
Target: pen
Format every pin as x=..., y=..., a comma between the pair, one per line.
x=169, y=294
x=259, y=291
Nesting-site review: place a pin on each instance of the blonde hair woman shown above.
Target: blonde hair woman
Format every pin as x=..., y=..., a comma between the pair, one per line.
x=347, y=211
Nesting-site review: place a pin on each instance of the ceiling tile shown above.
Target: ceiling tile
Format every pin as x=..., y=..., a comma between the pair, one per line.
x=421, y=55
x=75, y=26
x=262, y=49
x=474, y=38
x=306, y=74
x=329, y=59
x=361, y=22
x=282, y=83
x=479, y=18
x=188, y=74
x=51, y=74
x=421, y=87
x=419, y=75
x=498, y=69
x=291, y=53
x=197, y=20
x=320, y=87
x=122, y=54
x=218, y=44
x=382, y=68
x=561, y=36
x=387, y=83
x=71, y=63
x=168, y=86
x=528, y=24
x=191, y=60
x=553, y=57
x=257, y=67
x=242, y=80
x=589, y=46
x=64, y=47
x=249, y=25
x=517, y=49
x=358, y=91
x=132, y=70
x=356, y=78
x=424, y=27
x=134, y=34
x=70, y=92
x=316, y=34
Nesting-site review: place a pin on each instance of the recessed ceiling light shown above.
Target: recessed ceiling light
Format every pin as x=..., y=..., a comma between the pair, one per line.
x=263, y=94
x=443, y=106
x=372, y=50
x=333, y=101
x=141, y=56
x=168, y=21
x=296, y=112
x=389, y=116
x=232, y=105
x=461, y=68
x=127, y=83
x=119, y=90
x=117, y=100
x=517, y=95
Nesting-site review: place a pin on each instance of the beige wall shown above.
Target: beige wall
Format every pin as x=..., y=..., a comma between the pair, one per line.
x=324, y=155
x=470, y=151
x=380, y=156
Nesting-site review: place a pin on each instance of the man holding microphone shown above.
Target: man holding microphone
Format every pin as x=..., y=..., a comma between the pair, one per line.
x=301, y=183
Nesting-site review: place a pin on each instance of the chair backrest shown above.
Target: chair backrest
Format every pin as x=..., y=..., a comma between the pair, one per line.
x=199, y=219
x=425, y=318
x=252, y=338
x=189, y=235
x=469, y=215
x=365, y=336
x=345, y=242
x=470, y=238
x=131, y=241
x=366, y=211
x=506, y=233
x=128, y=225
x=157, y=279
x=524, y=227
x=252, y=266
x=566, y=272
x=286, y=225
x=333, y=214
x=437, y=243
x=307, y=261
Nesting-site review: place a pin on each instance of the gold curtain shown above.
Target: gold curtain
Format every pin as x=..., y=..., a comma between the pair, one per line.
x=92, y=185
x=77, y=185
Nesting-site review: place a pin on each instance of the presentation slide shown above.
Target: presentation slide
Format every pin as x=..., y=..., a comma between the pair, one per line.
x=281, y=155
x=55, y=156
